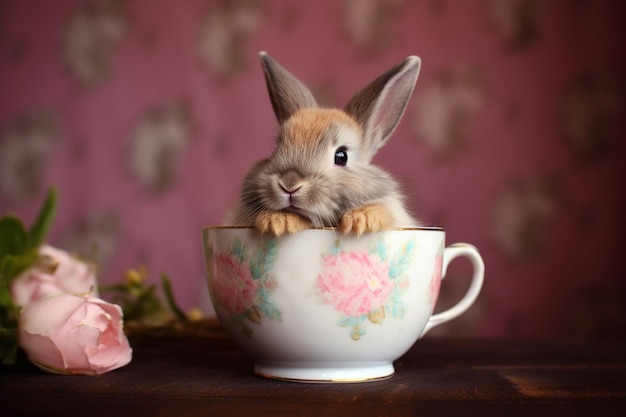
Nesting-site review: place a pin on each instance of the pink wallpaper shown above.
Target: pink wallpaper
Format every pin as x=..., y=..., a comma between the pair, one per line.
x=146, y=114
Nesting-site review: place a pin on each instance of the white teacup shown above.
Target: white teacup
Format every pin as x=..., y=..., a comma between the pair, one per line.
x=323, y=307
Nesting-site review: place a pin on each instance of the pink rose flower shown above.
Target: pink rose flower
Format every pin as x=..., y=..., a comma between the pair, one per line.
x=55, y=271
x=72, y=334
x=435, y=281
x=354, y=283
x=232, y=284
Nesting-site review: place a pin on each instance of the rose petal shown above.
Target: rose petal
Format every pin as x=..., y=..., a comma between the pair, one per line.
x=32, y=285
x=48, y=315
x=113, y=352
x=40, y=349
x=74, y=334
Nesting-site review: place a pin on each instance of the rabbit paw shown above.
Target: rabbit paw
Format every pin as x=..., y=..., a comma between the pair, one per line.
x=278, y=223
x=369, y=218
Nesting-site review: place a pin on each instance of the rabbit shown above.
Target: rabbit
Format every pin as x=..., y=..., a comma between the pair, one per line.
x=320, y=173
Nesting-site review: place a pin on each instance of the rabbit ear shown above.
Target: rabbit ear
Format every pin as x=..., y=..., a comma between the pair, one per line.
x=380, y=105
x=286, y=92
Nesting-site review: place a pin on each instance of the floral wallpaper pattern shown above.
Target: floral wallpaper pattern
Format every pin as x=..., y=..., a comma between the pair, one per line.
x=146, y=114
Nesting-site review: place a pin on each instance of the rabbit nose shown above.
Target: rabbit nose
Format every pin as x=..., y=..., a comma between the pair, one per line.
x=290, y=182
x=290, y=189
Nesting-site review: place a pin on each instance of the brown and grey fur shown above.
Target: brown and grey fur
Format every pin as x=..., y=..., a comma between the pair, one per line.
x=299, y=186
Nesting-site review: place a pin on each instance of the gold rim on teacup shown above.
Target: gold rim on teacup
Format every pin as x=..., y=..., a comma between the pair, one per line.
x=422, y=228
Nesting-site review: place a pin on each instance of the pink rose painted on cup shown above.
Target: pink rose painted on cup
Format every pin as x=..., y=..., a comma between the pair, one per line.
x=233, y=284
x=435, y=281
x=72, y=334
x=354, y=283
x=242, y=283
x=55, y=271
x=365, y=285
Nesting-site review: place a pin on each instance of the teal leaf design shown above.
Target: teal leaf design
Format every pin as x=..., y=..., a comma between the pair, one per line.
x=260, y=264
x=401, y=261
x=394, y=306
x=352, y=321
x=266, y=307
x=239, y=250
x=263, y=260
x=270, y=311
x=397, y=309
x=336, y=248
x=379, y=248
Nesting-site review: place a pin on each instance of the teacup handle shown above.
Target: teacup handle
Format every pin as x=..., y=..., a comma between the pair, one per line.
x=450, y=253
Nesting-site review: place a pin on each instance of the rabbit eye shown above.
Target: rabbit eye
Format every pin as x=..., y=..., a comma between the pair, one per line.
x=341, y=156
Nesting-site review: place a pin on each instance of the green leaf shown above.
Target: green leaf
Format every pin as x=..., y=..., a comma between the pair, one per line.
x=15, y=257
x=18, y=248
x=13, y=237
x=13, y=265
x=18, y=251
x=39, y=229
x=169, y=297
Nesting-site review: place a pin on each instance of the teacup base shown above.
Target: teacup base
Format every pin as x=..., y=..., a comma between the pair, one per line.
x=324, y=372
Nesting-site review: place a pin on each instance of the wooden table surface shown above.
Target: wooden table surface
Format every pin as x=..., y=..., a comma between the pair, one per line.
x=204, y=376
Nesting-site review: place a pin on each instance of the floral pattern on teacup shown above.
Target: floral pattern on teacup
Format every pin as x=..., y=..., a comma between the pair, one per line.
x=435, y=282
x=242, y=283
x=365, y=285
